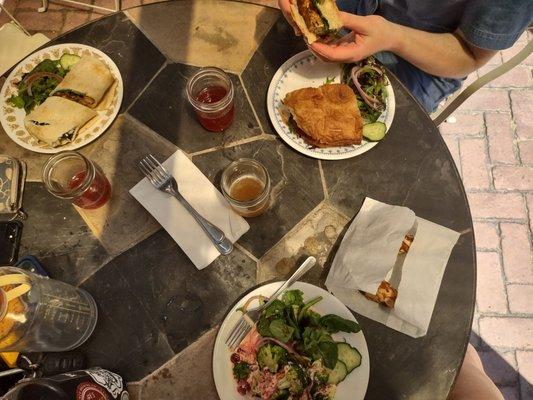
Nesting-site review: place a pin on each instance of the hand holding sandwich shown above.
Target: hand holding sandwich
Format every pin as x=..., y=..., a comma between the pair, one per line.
x=369, y=35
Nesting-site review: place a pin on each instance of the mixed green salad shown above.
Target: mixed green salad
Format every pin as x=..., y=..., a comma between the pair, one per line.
x=291, y=354
x=36, y=85
x=369, y=82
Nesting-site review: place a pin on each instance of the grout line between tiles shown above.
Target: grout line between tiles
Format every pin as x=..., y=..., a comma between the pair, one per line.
x=165, y=63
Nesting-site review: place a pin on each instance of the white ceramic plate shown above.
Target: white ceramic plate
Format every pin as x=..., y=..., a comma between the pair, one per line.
x=352, y=388
x=305, y=70
x=12, y=118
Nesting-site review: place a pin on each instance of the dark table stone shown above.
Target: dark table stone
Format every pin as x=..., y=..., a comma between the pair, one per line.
x=126, y=339
x=164, y=107
x=56, y=234
x=136, y=57
x=183, y=301
x=290, y=202
x=277, y=47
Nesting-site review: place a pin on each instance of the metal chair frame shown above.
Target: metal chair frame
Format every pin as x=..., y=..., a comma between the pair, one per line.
x=14, y=20
x=118, y=5
x=455, y=101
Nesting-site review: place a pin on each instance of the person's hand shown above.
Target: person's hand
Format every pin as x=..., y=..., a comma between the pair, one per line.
x=370, y=35
x=285, y=7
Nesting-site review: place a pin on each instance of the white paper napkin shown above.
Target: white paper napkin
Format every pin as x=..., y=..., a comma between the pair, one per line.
x=204, y=197
x=368, y=255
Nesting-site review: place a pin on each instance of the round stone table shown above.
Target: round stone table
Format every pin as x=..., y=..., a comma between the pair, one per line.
x=157, y=312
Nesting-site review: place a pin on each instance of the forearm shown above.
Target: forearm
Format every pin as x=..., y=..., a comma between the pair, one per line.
x=440, y=54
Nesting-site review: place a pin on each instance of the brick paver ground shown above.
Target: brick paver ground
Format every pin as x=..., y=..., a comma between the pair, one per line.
x=491, y=141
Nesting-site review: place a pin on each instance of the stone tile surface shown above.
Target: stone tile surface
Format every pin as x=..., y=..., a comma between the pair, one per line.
x=56, y=234
x=316, y=235
x=122, y=221
x=190, y=373
x=271, y=54
x=197, y=35
x=126, y=340
x=288, y=204
x=172, y=117
x=183, y=301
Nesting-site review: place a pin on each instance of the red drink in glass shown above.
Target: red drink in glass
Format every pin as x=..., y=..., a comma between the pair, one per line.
x=71, y=176
x=210, y=92
x=96, y=195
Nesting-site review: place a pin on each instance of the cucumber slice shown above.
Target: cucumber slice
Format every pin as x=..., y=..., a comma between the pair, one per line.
x=374, y=131
x=68, y=60
x=338, y=373
x=349, y=355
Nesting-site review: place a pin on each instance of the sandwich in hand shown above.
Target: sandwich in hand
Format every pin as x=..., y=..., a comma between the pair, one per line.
x=86, y=83
x=326, y=116
x=316, y=19
x=57, y=120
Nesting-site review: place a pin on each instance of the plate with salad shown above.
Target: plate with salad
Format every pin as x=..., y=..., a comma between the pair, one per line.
x=60, y=98
x=368, y=81
x=306, y=346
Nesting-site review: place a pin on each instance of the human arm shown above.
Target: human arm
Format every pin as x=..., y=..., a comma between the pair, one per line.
x=442, y=54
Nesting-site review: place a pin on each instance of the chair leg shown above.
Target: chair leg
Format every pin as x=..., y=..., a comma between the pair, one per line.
x=44, y=6
x=117, y=5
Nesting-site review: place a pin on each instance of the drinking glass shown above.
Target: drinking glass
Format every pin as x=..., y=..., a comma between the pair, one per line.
x=210, y=92
x=71, y=176
x=246, y=185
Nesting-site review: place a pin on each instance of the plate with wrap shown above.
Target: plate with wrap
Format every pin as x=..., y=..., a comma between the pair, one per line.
x=308, y=97
x=60, y=98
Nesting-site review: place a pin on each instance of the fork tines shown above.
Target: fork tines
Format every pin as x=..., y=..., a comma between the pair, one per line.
x=153, y=169
x=239, y=332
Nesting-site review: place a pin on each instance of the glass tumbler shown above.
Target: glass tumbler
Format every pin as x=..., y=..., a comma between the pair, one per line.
x=71, y=176
x=42, y=314
x=210, y=92
x=246, y=185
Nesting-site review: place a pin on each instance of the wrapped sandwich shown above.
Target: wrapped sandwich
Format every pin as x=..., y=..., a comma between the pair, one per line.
x=57, y=120
x=326, y=116
x=316, y=19
x=386, y=294
x=86, y=83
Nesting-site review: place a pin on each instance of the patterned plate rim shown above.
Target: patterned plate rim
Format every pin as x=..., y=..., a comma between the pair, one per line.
x=31, y=59
x=282, y=129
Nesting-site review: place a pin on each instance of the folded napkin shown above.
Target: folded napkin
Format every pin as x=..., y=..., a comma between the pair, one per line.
x=177, y=221
x=368, y=254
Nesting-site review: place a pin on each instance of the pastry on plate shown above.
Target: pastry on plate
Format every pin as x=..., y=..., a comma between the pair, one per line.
x=326, y=116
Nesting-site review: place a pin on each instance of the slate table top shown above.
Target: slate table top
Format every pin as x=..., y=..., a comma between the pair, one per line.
x=154, y=305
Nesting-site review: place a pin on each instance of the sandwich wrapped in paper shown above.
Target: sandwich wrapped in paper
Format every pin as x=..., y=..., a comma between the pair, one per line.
x=316, y=19
x=326, y=116
x=57, y=120
x=86, y=83
x=389, y=266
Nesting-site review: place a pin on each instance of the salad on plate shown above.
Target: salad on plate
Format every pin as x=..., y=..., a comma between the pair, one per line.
x=290, y=354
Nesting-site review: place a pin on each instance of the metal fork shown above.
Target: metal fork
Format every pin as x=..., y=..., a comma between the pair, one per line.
x=248, y=319
x=163, y=181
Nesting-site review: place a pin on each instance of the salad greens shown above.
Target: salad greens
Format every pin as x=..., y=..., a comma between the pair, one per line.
x=292, y=354
x=372, y=81
x=36, y=85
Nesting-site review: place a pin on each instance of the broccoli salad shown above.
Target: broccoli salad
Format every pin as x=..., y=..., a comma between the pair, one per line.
x=291, y=354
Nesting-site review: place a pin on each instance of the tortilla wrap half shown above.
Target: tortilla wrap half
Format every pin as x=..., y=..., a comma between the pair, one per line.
x=86, y=83
x=57, y=120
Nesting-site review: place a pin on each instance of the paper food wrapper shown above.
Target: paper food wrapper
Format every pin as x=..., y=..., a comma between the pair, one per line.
x=368, y=255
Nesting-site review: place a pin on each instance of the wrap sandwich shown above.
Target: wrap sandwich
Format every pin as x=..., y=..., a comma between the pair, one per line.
x=86, y=83
x=57, y=120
